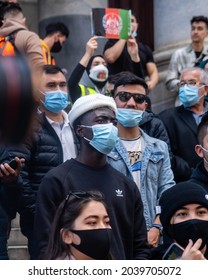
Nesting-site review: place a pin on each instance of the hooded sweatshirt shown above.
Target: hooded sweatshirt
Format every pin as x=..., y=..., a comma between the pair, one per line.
x=27, y=42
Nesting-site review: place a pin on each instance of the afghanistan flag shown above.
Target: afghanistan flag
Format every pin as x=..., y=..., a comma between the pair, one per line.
x=111, y=23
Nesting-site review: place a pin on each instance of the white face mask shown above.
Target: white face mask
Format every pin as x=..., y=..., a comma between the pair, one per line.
x=99, y=73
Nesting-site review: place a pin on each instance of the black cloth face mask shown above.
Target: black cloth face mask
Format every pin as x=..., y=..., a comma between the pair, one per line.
x=95, y=243
x=56, y=47
x=191, y=229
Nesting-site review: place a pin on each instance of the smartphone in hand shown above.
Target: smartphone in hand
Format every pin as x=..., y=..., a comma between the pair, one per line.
x=12, y=163
x=173, y=252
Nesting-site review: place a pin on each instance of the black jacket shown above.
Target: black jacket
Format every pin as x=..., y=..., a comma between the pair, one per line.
x=200, y=175
x=154, y=127
x=181, y=128
x=42, y=152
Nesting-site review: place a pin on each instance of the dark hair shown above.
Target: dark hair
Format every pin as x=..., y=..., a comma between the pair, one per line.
x=52, y=69
x=52, y=28
x=200, y=18
x=128, y=78
x=202, y=129
x=91, y=60
x=66, y=214
x=9, y=8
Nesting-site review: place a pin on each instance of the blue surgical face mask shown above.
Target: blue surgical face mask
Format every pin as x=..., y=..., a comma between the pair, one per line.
x=55, y=100
x=129, y=117
x=104, y=137
x=134, y=34
x=189, y=95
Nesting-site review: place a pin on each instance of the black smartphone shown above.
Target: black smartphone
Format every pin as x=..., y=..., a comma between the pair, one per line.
x=173, y=252
x=13, y=164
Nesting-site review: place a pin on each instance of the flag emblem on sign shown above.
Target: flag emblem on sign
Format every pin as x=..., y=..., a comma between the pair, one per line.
x=111, y=23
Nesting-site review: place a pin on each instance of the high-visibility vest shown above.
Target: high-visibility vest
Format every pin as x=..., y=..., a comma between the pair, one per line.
x=7, y=46
x=47, y=54
x=87, y=90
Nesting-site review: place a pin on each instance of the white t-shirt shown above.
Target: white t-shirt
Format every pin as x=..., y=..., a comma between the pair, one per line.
x=134, y=148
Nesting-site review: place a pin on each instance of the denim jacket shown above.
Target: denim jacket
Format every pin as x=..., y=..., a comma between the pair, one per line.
x=156, y=173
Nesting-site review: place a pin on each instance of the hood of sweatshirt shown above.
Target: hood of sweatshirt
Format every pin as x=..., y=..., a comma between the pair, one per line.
x=10, y=25
x=200, y=173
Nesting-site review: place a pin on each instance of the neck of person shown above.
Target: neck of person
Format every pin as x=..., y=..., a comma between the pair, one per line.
x=198, y=46
x=56, y=117
x=91, y=157
x=128, y=132
x=198, y=108
x=49, y=42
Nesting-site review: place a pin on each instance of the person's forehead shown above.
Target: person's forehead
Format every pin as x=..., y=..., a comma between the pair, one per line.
x=198, y=23
x=131, y=88
x=93, y=209
x=98, y=59
x=100, y=112
x=191, y=75
x=192, y=206
x=53, y=77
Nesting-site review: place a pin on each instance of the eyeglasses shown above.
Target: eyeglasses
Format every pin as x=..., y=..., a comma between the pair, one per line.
x=83, y=195
x=124, y=96
x=189, y=83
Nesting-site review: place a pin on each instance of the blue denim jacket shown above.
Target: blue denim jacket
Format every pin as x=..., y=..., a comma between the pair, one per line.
x=156, y=173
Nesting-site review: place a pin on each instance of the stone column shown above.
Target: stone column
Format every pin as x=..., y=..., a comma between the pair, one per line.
x=76, y=14
x=171, y=31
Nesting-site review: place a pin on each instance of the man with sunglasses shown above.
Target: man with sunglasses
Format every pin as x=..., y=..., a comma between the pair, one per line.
x=93, y=118
x=148, y=158
x=181, y=122
x=151, y=124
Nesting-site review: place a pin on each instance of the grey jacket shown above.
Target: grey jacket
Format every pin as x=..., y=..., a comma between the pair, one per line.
x=156, y=172
x=181, y=59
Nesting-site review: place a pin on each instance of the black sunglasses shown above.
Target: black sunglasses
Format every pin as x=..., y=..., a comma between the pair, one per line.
x=124, y=96
x=83, y=195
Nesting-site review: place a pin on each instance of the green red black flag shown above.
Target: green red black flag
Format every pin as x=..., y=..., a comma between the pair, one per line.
x=111, y=23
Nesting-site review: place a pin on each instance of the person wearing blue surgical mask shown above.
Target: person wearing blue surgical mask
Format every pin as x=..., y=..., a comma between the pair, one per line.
x=93, y=118
x=146, y=157
x=181, y=122
x=51, y=143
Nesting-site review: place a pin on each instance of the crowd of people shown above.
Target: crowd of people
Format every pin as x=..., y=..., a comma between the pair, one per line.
x=99, y=175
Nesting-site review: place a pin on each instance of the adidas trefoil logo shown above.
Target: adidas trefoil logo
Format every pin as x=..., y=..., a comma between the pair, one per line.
x=119, y=193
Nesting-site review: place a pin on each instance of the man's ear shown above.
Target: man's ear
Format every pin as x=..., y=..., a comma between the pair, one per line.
x=67, y=236
x=205, y=90
x=56, y=36
x=146, y=105
x=79, y=131
x=199, y=151
x=23, y=20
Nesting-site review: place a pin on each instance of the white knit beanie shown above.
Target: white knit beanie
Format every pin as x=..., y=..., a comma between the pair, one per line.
x=90, y=102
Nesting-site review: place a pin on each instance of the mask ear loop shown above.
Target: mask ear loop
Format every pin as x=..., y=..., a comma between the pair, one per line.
x=87, y=126
x=205, y=150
